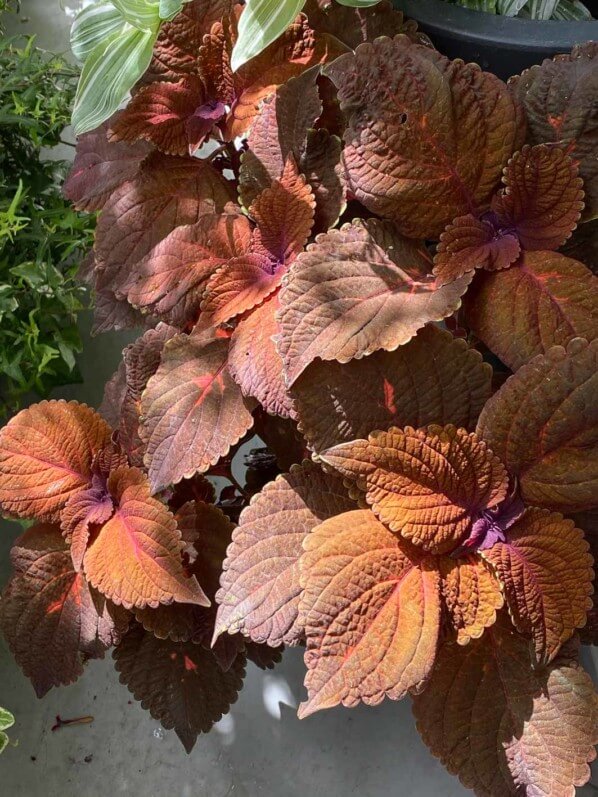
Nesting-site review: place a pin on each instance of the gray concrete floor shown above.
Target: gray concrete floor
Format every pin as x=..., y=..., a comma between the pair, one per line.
x=260, y=748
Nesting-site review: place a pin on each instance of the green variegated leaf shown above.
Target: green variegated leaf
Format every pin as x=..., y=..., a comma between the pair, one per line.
x=3, y=741
x=489, y=6
x=112, y=69
x=358, y=3
x=261, y=23
x=142, y=14
x=571, y=11
x=92, y=26
x=510, y=8
x=168, y=8
x=7, y=720
x=542, y=9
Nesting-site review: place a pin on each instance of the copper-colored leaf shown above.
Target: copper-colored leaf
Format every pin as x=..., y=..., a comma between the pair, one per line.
x=371, y=605
x=284, y=214
x=166, y=193
x=260, y=589
x=504, y=727
x=543, y=197
x=170, y=281
x=51, y=619
x=427, y=137
x=471, y=595
x=135, y=558
x=101, y=167
x=427, y=485
x=545, y=300
x=469, y=243
x=255, y=363
x=321, y=164
x=179, y=683
x=543, y=424
x=46, y=453
x=206, y=532
x=558, y=98
x=434, y=378
x=357, y=290
x=84, y=509
x=546, y=572
x=193, y=411
x=172, y=116
x=352, y=26
x=111, y=313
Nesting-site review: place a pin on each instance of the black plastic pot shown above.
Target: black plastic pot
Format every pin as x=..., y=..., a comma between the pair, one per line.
x=503, y=45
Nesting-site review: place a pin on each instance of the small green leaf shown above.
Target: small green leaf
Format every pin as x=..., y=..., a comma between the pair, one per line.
x=7, y=720
x=92, y=26
x=109, y=74
x=261, y=23
x=3, y=741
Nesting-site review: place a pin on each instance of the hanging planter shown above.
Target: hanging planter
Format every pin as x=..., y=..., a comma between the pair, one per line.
x=503, y=45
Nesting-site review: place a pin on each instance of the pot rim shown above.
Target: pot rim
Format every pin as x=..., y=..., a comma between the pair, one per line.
x=495, y=30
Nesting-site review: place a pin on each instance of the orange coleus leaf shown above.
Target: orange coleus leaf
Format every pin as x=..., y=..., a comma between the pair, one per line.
x=427, y=485
x=588, y=523
x=434, y=378
x=254, y=362
x=181, y=684
x=84, y=509
x=135, y=558
x=543, y=197
x=175, y=117
x=46, y=453
x=411, y=157
x=371, y=607
x=50, y=617
x=544, y=300
x=546, y=571
x=101, y=167
x=471, y=594
x=193, y=411
x=505, y=727
x=170, y=282
x=558, y=101
x=469, y=243
x=260, y=590
x=284, y=214
x=166, y=193
x=543, y=424
x=357, y=290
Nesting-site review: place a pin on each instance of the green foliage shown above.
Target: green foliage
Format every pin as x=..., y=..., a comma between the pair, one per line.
x=6, y=720
x=42, y=240
x=535, y=9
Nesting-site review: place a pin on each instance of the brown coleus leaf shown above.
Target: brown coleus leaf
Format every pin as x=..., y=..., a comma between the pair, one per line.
x=166, y=193
x=434, y=378
x=176, y=48
x=101, y=167
x=46, y=453
x=135, y=558
x=170, y=281
x=357, y=290
x=537, y=210
x=84, y=509
x=558, y=101
x=193, y=411
x=141, y=361
x=371, y=605
x=583, y=245
x=352, y=26
x=50, y=617
x=546, y=299
x=175, y=117
x=263, y=656
x=284, y=214
x=546, y=571
x=254, y=362
x=471, y=594
x=260, y=590
x=588, y=522
x=179, y=683
x=490, y=716
x=427, y=138
x=113, y=314
x=430, y=485
x=206, y=532
x=543, y=424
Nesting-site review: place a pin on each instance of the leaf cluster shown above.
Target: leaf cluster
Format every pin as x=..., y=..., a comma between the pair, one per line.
x=42, y=239
x=381, y=262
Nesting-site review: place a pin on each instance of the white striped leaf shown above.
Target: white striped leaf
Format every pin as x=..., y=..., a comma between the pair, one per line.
x=110, y=72
x=141, y=14
x=571, y=10
x=92, y=26
x=510, y=8
x=542, y=9
x=261, y=23
x=169, y=8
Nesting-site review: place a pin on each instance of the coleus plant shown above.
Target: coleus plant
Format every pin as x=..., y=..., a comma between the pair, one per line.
x=350, y=247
